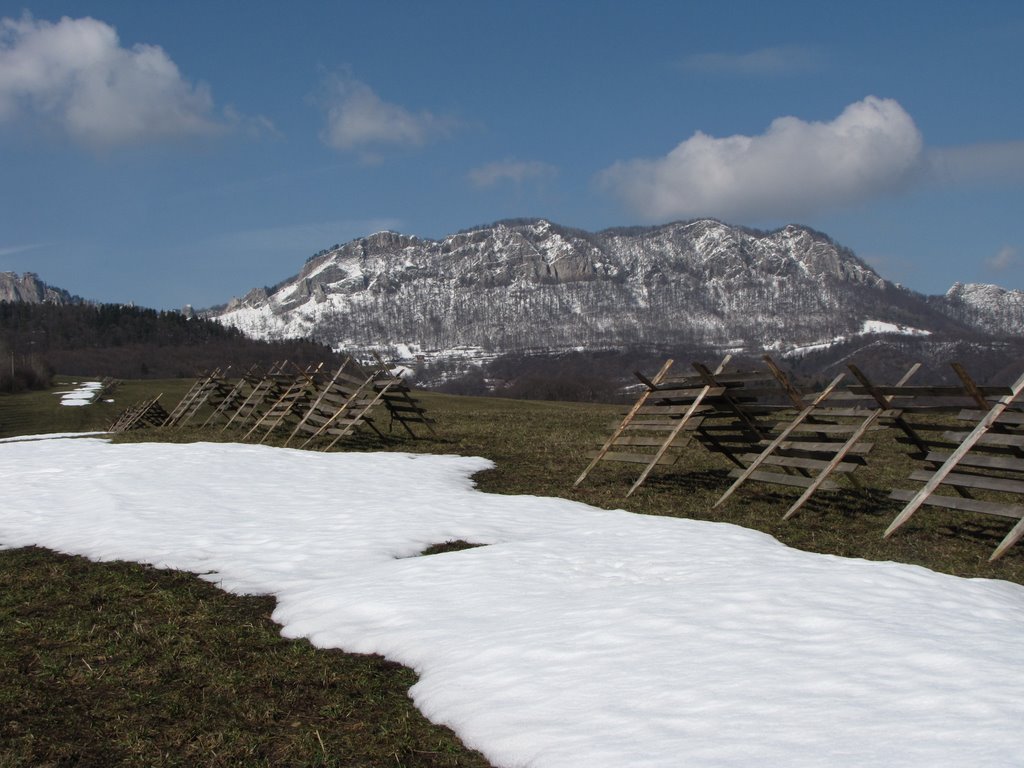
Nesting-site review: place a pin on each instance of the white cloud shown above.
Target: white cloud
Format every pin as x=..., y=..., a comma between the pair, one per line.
x=514, y=171
x=794, y=168
x=357, y=117
x=780, y=60
x=1004, y=259
x=75, y=73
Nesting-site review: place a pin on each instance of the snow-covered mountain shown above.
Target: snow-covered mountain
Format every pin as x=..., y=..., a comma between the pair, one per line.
x=534, y=285
x=988, y=308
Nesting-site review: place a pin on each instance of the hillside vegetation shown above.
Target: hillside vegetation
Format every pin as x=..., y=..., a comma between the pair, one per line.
x=127, y=342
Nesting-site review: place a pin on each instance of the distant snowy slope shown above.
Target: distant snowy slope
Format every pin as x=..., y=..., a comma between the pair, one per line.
x=989, y=308
x=532, y=284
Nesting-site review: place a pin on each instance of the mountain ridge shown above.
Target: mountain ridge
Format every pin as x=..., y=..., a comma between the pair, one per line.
x=524, y=284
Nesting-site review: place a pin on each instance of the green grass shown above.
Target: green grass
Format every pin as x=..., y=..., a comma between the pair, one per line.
x=41, y=413
x=105, y=664
x=119, y=664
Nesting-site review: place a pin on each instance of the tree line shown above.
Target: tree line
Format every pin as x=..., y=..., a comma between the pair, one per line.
x=121, y=341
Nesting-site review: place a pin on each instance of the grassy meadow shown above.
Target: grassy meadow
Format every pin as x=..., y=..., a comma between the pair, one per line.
x=121, y=664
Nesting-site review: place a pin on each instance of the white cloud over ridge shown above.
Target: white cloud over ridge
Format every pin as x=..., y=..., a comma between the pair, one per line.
x=515, y=171
x=1005, y=258
x=357, y=118
x=76, y=74
x=791, y=170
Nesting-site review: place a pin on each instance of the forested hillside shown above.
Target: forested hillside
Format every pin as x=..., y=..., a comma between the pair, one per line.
x=37, y=340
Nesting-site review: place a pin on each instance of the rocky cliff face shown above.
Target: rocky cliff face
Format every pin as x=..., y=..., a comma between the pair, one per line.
x=533, y=285
x=29, y=288
x=987, y=308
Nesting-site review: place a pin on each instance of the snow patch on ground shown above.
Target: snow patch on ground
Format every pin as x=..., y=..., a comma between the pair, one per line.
x=84, y=394
x=869, y=328
x=878, y=326
x=577, y=636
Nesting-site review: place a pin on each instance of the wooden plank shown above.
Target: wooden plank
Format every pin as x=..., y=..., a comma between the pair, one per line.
x=686, y=395
x=668, y=410
x=795, y=398
x=931, y=409
x=411, y=408
x=1008, y=463
x=637, y=440
x=1008, y=417
x=634, y=458
x=815, y=446
x=961, y=504
x=753, y=393
x=929, y=391
x=971, y=387
x=966, y=480
x=1011, y=538
x=854, y=413
x=666, y=425
x=989, y=438
x=831, y=429
x=778, y=478
x=802, y=462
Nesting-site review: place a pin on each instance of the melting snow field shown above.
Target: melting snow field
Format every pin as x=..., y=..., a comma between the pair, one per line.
x=83, y=395
x=577, y=637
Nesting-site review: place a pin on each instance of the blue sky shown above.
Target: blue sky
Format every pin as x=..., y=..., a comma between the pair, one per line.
x=184, y=152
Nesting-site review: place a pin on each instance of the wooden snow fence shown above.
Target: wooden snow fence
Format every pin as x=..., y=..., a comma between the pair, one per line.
x=233, y=399
x=925, y=412
x=257, y=392
x=982, y=461
x=293, y=398
x=207, y=390
x=724, y=411
x=349, y=401
x=306, y=404
x=336, y=405
x=401, y=406
x=826, y=438
x=148, y=413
